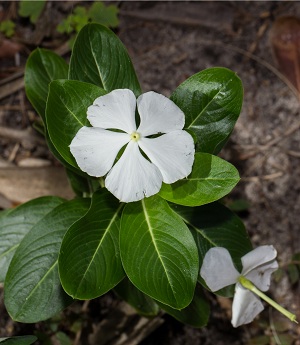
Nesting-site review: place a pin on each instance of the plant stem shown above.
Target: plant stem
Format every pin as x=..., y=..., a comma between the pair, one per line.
x=250, y=286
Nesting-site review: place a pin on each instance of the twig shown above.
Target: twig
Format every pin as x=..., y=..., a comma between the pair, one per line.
x=262, y=177
x=21, y=135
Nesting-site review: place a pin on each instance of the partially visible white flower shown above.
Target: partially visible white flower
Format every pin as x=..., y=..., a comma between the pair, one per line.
x=146, y=161
x=218, y=271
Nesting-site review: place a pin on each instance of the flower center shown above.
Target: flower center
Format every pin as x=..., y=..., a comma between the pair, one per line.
x=135, y=136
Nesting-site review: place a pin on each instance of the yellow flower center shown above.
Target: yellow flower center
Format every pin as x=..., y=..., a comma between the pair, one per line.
x=135, y=136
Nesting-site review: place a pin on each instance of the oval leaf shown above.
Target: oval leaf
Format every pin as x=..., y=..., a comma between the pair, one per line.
x=214, y=225
x=42, y=67
x=32, y=287
x=211, y=179
x=211, y=100
x=96, y=238
x=15, y=224
x=66, y=112
x=23, y=340
x=196, y=314
x=144, y=304
x=158, y=252
x=100, y=58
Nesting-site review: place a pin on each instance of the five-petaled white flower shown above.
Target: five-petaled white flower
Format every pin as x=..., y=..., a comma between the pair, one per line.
x=218, y=271
x=157, y=151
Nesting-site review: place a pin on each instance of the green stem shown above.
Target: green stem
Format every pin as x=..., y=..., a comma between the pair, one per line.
x=250, y=286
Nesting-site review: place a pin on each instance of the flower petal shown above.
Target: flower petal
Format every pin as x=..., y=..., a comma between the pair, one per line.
x=261, y=275
x=257, y=257
x=133, y=177
x=95, y=149
x=158, y=114
x=114, y=110
x=246, y=305
x=217, y=269
x=173, y=153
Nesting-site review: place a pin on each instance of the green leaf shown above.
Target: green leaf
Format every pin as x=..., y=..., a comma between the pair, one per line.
x=23, y=340
x=32, y=9
x=214, y=225
x=210, y=180
x=42, y=67
x=102, y=14
x=96, y=238
x=196, y=314
x=66, y=112
x=7, y=27
x=16, y=223
x=158, y=252
x=100, y=58
x=142, y=303
x=81, y=185
x=211, y=101
x=32, y=287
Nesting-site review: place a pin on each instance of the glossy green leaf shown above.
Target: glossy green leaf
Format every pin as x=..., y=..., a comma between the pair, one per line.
x=144, y=304
x=158, y=252
x=66, y=112
x=214, y=225
x=42, y=67
x=100, y=58
x=81, y=185
x=210, y=180
x=196, y=314
x=16, y=223
x=23, y=340
x=98, y=268
x=32, y=287
x=212, y=101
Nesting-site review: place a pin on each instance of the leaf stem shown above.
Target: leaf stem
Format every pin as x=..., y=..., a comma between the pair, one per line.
x=250, y=286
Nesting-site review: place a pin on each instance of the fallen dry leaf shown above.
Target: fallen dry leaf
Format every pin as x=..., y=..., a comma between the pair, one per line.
x=19, y=185
x=8, y=48
x=285, y=42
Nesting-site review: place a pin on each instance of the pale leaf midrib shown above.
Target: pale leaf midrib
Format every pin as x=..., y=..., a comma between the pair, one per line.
x=199, y=115
x=155, y=245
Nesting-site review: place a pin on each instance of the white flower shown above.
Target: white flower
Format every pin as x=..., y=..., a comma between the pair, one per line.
x=218, y=271
x=146, y=161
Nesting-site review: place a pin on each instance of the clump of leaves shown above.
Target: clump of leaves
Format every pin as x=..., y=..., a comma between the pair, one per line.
x=31, y=9
x=98, y=13
x=7, y=27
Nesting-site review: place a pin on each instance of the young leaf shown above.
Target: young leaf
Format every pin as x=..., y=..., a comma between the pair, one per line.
x=32, y=287
x=23, y=340
x=195, y=314
x=105, y=15
x=100, y=58
x=42, y=67
x=214, y=225
x=212, y=101
x=32, y=9
x=144, y=304
x=158, y=252
x=15, y=224
x=98, y=268
x=7, y=27
x=66, y=112
x=210, y=180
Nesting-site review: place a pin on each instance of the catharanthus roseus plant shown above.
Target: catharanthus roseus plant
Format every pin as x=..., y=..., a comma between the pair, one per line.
x=147, y=180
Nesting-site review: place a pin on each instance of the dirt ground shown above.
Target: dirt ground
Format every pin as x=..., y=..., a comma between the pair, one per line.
x=168, y=42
